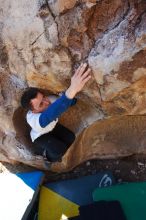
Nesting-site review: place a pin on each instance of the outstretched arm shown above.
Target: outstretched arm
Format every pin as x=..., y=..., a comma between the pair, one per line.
x=78, y=81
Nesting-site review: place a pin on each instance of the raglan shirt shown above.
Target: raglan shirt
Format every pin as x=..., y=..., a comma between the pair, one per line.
x=42, y=123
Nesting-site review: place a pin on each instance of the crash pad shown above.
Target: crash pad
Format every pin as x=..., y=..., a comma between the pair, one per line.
x=132, y=197
x=62, y=199
x=17, y=193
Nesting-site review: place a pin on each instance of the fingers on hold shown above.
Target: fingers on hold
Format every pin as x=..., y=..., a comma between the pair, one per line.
x=87, y=78
x=78, y=70
x=82, y=70
x=85, y=74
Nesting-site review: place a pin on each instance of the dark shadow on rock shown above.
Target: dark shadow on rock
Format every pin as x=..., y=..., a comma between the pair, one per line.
x=22, y=128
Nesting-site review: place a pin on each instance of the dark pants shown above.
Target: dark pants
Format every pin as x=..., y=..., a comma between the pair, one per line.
x=54, y=143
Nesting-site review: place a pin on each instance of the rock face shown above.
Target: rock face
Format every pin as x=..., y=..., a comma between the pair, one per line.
x=110, y=138
x=41, y=44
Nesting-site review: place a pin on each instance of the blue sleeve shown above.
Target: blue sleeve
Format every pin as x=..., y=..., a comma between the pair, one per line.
x=74, y=101
x=55, y=110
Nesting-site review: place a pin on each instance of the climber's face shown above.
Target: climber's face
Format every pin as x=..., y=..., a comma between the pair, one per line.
x=39, y=103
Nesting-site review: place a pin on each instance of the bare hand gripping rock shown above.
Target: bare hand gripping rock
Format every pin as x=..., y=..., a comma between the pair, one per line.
x=78, y=80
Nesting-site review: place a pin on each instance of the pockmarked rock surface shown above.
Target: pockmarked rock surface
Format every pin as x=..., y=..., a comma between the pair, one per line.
x=41, y=44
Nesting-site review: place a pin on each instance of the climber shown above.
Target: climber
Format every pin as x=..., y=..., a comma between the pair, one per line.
x=50, y=138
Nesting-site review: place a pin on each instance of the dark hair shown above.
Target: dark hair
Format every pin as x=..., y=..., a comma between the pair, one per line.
x=29, y=94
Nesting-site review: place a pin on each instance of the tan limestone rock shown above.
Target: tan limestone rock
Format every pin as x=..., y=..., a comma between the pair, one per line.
x=120, y=44
x=131, y=100
x=43, y=42
x=60, y=6
x=110, y=138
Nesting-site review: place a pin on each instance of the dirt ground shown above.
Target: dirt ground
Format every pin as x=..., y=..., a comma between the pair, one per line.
x=129, y=169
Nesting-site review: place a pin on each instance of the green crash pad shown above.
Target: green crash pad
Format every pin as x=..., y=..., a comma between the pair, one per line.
x=132, y=197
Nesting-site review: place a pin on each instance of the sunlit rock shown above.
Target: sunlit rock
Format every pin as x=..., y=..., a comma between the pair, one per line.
x=41, y=45
x=111, y=138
